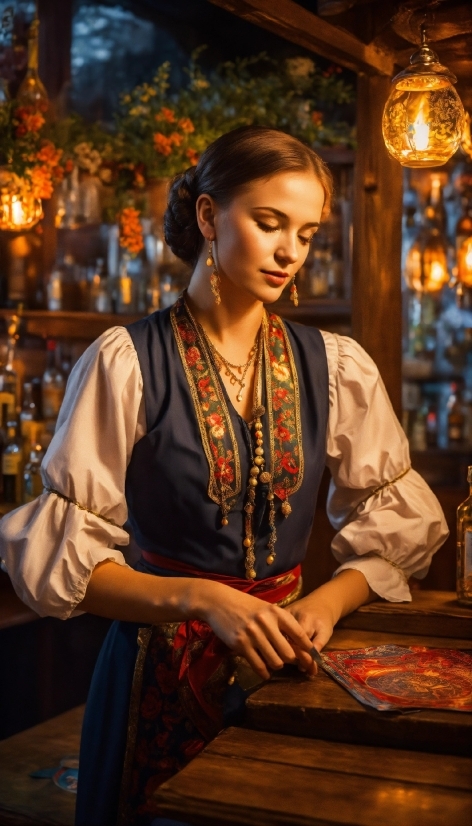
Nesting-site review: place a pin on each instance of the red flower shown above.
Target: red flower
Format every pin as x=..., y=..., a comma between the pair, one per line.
x=203, y=388
x=192, y=155
x=151, y=704
x=213, y=419
x=283, y=434
x=161, y=739
x=187, y=334
x=20, y=131
x=192, y=356
x=224, y=470
x=288, y=462
x=165, y=678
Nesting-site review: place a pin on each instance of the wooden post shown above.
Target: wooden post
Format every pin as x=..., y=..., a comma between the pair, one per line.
x=376, y=286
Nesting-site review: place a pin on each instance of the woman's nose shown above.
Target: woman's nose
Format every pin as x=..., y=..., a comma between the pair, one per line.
x=287, y=251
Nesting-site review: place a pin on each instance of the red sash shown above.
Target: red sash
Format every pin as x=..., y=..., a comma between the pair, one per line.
x=198, y=653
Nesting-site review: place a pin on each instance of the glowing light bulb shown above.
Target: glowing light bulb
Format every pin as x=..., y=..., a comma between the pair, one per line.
x=423, y=118
x=420, y=131
x=464, y=263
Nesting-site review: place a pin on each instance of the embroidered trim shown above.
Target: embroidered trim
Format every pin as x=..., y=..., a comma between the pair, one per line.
x=387, y=559
x=381, y=487
x=80, y=507
x=144, y=638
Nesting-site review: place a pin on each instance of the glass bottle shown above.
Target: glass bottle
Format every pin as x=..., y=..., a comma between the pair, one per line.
x=11, y=466
x=124, y=288
x=28, y=414
x=9, y=380
x=99, y=295
x=54, y=286
x=32, y=91
x=455, y=417
x=52, y=385
x=464, y=224
x=464, y=547
x=32, y=480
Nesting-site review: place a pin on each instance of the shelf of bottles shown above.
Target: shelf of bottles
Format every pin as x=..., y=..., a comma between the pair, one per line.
x=437, y=340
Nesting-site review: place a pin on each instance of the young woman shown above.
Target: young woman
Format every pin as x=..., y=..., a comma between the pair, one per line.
x=206, y=428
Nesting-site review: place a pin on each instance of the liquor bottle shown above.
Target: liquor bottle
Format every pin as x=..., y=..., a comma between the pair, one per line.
x=3, y=438
x=52, y=385
x=11, y=466
x=99, y=296
x=455, y=417
x=32, y=91
x=9, y=380
x=32, y=480
x=464, y=547
x=435, y=212
x=28, y=414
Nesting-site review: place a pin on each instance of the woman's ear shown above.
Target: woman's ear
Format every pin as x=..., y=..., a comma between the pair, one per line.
x=205, y=208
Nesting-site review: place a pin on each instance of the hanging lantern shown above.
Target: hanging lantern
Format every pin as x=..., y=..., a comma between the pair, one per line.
x=426, y=263
x=464, y=263
x=19, y=209
x=423, y=119
x=466, y=142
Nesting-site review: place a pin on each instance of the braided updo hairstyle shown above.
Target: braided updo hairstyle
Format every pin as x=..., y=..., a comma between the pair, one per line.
x=225, y=168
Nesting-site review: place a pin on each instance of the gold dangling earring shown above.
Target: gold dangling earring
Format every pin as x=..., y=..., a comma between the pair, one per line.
x=294, y=292
x=214, y=277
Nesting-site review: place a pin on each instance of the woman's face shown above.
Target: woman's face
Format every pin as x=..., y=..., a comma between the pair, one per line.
x=263, y=236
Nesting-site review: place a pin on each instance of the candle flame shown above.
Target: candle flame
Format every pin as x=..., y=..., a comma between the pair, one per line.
x=420, y=130
x=18, y=216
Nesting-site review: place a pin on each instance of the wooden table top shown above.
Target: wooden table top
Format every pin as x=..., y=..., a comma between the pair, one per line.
x=26, y=800
x=260, y=779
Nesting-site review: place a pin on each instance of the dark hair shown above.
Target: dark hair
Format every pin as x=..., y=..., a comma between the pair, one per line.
x=225, y=168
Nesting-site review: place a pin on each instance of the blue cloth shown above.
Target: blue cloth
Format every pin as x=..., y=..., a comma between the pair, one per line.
x=171, y=513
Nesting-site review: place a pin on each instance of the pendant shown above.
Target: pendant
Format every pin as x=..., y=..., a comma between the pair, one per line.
x=239, y=397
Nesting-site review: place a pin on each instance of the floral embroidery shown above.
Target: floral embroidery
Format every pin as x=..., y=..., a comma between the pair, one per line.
x=214, y=420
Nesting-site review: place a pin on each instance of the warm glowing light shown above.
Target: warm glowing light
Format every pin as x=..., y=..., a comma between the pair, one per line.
x=19, y=209
x=423, y=118
x=426, y=263
x=464, y=263
x=466, y=143
x=420, y=131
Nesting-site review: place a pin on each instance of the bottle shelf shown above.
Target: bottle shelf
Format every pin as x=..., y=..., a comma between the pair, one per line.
x=88, y=326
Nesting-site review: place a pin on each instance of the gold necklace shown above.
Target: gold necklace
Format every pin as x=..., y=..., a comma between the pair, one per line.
x=221, y=361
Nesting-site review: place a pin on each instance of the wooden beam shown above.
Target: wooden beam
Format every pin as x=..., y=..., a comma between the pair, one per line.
x=376, y=287
x=294, y=23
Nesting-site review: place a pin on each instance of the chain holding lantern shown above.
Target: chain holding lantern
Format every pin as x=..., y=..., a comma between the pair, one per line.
x=423, y=119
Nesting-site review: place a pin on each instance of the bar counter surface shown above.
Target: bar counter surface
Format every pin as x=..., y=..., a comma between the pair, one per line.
x=309, y=753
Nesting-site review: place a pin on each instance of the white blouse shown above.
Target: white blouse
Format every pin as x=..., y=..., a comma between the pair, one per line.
x=50, y=546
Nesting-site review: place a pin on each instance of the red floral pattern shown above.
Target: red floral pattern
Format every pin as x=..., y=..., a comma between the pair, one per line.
x=216, y=430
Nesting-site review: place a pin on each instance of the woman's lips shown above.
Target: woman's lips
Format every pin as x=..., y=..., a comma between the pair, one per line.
x=275, y=278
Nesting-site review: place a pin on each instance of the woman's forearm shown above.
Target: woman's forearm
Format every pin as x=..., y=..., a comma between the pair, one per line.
x=343, y=594
x=119, y=592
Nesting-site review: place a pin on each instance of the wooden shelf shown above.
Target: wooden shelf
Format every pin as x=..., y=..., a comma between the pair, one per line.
x=87, y=326
x=62, y=324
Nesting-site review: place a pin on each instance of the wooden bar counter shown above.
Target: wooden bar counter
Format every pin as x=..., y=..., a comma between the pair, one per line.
x=309, y=753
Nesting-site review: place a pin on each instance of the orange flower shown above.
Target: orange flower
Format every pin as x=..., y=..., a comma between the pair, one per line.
x=49, y=155
x=192, y=155
x=41, y=182
x=162, y=144
x=33, y=122
x=176, y=139
x=186, y=125
x=131, y=231
x=166, y=114
x=317, y=118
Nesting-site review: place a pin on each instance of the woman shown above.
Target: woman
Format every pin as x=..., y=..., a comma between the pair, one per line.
x=207, y=426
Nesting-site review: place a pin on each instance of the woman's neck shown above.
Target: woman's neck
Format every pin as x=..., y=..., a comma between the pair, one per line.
x=234, y=323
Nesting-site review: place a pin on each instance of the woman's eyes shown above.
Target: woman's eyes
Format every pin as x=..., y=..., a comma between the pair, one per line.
x=270, y=228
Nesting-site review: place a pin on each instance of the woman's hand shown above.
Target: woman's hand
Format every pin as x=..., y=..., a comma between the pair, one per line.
x=266, y=635
x=317, y=619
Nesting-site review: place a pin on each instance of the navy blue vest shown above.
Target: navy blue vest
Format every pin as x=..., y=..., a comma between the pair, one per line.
x=170, y=512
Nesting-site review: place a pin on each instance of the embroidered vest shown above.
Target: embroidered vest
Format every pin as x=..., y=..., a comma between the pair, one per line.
x=170, y=511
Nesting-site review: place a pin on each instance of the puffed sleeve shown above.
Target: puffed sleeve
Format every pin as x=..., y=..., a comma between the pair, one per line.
x=51, y=545
x=389, y=522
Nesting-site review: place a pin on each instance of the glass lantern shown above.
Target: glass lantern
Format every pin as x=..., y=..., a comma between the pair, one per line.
x=19, y=209
x=426, y=268
x=464, y=263
x=423, y=119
